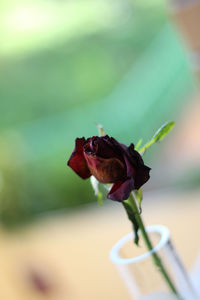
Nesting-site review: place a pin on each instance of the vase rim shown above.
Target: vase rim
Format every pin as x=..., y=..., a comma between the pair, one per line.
x=117, y=259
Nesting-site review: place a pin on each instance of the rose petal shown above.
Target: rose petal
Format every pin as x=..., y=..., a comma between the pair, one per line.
x=77, y=160
x=121, y=190
x=141, y=171
x=108, y=147
x=134, y=156
x=142, y=176
x=136, y=167
x=106, y=170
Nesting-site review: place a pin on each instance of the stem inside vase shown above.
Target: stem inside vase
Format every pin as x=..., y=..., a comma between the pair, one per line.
x=156, y=259
x=142, y=278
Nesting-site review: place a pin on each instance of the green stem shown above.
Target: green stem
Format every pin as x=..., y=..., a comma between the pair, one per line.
x=156, y=258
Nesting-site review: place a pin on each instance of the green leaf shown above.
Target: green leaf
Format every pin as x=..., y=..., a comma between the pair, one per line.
x=139, y=197
x=138, y=144
x=163, y=131
x=132, y=218
x=158, y=136
x=100, y=129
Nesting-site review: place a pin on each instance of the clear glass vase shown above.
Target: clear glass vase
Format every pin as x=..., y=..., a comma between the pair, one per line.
x=141, y=276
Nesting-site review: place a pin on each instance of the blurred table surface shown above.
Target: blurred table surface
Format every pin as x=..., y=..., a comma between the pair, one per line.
x=66, y=256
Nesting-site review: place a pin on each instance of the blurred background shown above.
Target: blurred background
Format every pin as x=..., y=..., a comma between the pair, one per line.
x=66, y=64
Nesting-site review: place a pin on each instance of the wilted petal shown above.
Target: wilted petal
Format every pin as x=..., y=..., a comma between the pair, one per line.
x=142, y=176
x=136, y=167
x=121, y=190
x=77, y=160
x=106, y=170
x=134, y=156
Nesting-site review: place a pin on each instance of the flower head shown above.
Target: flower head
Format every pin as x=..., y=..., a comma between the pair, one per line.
x=110, y=162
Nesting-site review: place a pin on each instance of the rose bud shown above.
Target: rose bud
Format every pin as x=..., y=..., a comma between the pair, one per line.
x=110, y=162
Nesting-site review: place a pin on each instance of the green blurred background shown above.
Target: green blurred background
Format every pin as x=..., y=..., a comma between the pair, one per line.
x=66, y=65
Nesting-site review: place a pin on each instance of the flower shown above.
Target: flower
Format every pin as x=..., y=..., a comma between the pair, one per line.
x=110, y=162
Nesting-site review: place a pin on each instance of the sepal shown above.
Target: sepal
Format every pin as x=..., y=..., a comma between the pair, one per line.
x=97, y=192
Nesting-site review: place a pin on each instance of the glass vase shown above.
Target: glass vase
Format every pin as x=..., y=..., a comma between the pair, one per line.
x=140, y=274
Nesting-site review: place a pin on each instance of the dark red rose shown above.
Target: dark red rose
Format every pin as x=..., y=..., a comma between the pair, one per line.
x=110, y=162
